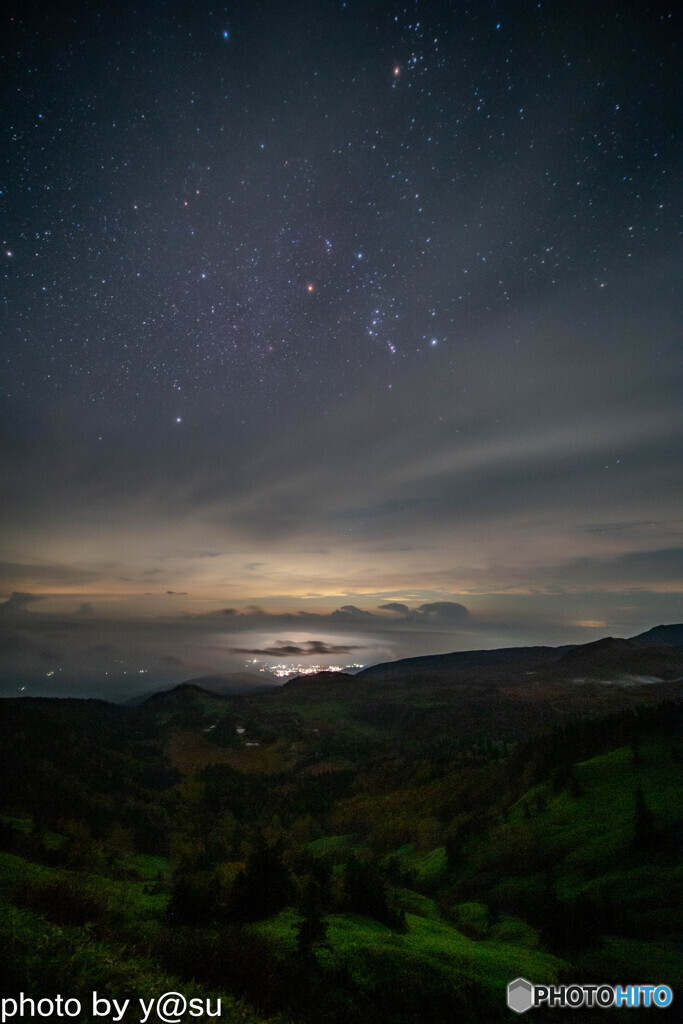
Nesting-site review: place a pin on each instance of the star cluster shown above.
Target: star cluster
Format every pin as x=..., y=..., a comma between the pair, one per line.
x=319, y=194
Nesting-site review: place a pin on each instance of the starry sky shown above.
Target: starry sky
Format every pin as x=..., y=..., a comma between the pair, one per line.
x=334, y=332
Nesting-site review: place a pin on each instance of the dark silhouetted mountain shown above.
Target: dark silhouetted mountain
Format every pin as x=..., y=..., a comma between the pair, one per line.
x=672, y=634
x=318, y=678
x=608, y=656
x=434, y=666
x=226, y=686
x=611, y=655
x=182, y=693
x=237, y=682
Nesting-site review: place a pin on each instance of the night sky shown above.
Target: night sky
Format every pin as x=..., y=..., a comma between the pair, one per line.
x=335, y=332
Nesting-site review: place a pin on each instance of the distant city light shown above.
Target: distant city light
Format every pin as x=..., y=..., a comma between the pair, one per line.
x=282, y=671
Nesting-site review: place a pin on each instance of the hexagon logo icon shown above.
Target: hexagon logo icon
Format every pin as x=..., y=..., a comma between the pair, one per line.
x=520, y=995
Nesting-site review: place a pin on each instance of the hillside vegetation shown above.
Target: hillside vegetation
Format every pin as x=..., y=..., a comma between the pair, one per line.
x=390, y=848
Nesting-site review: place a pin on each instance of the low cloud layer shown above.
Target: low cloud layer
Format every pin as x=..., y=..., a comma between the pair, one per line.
x=306, y=650
x=436, y=611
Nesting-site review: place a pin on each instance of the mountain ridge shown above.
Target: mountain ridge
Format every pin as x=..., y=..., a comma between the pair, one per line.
x=616, y=653
x=631, y=656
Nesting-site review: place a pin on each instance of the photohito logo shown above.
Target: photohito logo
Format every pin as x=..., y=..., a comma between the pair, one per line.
x=523, y=996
